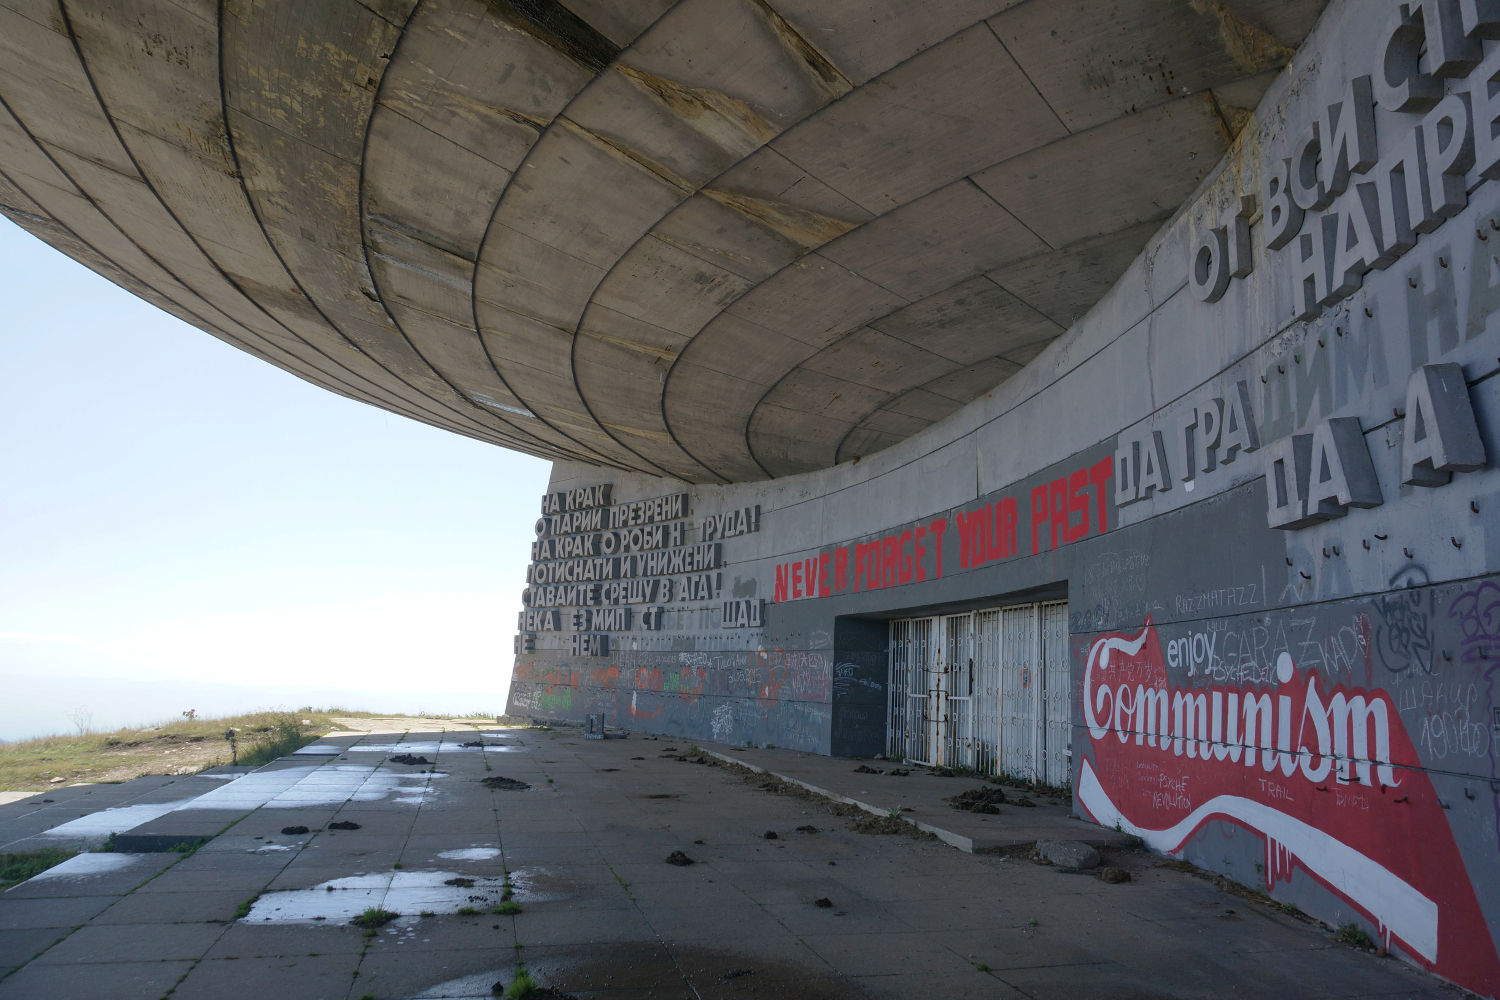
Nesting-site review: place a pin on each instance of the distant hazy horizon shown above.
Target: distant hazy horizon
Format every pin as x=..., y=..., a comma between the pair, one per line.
x=32, y=700
x=181, y=522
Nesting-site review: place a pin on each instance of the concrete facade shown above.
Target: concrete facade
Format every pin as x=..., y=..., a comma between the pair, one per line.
x=837, y=315
x=1290, y=683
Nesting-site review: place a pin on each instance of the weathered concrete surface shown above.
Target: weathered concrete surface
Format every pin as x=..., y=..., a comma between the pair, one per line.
x=719, y=240
x=603, y=916
x=921, y=797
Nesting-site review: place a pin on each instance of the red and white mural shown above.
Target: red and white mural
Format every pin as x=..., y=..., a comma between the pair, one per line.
x=1326, y=774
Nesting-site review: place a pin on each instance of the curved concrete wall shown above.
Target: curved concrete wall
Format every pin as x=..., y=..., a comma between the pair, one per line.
x=1312, y=708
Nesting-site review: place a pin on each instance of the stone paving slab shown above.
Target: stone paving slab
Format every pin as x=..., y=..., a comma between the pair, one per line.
x=115, y=980
x=24, y=823
x=604, y=916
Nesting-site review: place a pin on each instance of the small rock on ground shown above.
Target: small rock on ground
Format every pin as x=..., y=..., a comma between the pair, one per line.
x=1114, y=876
x=1068, y=854
x=679, y=859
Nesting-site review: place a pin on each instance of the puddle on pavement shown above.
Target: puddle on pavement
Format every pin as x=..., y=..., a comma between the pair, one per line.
x=429, y=746
x=652, y=967
x=83, y=866
x=409, y=893
x=287, y=788
x=470, y=854
x=295, y=787
x=535, y=885
x=115, y=820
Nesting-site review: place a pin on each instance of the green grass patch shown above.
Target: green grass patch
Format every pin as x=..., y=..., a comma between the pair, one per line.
x=1355, y=936
x=17, y=868
x=374, y=917
x=244, y=910
x=508, y=908
x=286, y=735
x=522, y=985
x=468, y=911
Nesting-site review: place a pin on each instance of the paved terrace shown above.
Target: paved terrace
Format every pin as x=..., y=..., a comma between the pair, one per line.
x=257, y=912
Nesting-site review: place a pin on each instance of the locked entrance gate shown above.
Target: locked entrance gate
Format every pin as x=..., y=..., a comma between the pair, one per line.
x=987, y=690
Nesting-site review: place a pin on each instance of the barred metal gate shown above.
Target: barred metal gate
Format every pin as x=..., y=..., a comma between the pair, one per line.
x=910, y=723
x=1019, y=708
x=986, y=642
x=1056, y=763
x=988, y=690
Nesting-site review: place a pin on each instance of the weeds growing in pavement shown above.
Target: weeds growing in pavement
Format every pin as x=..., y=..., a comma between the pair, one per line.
x=509, y=908
x=18, y=867
x=522, y=985
x=1355, y=937
x=374, y=917
x=244, y=910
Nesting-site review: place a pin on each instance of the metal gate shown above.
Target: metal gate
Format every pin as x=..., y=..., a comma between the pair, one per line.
x=1019, y=706
x=910, y=729
x=988, y=690
x=1056, y=763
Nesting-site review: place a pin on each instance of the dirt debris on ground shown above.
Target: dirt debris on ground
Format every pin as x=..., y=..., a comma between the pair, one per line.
x=406, y=758
x=860, y=821
x=679, y=859
x=978, y=800
x=505, y=784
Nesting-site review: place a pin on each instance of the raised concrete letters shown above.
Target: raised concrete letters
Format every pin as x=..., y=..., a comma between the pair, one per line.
x=1439, y=436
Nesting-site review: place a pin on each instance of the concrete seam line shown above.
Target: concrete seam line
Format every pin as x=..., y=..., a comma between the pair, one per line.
x=948, y=837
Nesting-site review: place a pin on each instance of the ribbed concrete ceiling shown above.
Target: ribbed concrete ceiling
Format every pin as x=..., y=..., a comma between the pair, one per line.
x=721, y=240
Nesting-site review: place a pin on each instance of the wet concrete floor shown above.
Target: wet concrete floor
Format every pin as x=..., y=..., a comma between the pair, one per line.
x=568, y=880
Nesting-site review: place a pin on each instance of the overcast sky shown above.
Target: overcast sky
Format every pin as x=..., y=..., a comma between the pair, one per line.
x=184, y=526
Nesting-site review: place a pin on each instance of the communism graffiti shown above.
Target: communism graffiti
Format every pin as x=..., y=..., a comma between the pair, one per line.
x=1325, y=774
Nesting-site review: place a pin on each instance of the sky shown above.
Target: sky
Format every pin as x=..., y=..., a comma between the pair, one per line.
x=183, y=526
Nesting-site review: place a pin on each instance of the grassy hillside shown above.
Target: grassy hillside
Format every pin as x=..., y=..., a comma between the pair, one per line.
x=182, y=746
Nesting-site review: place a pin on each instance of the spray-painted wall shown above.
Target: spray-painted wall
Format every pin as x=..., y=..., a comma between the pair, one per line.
x=1313, y=707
